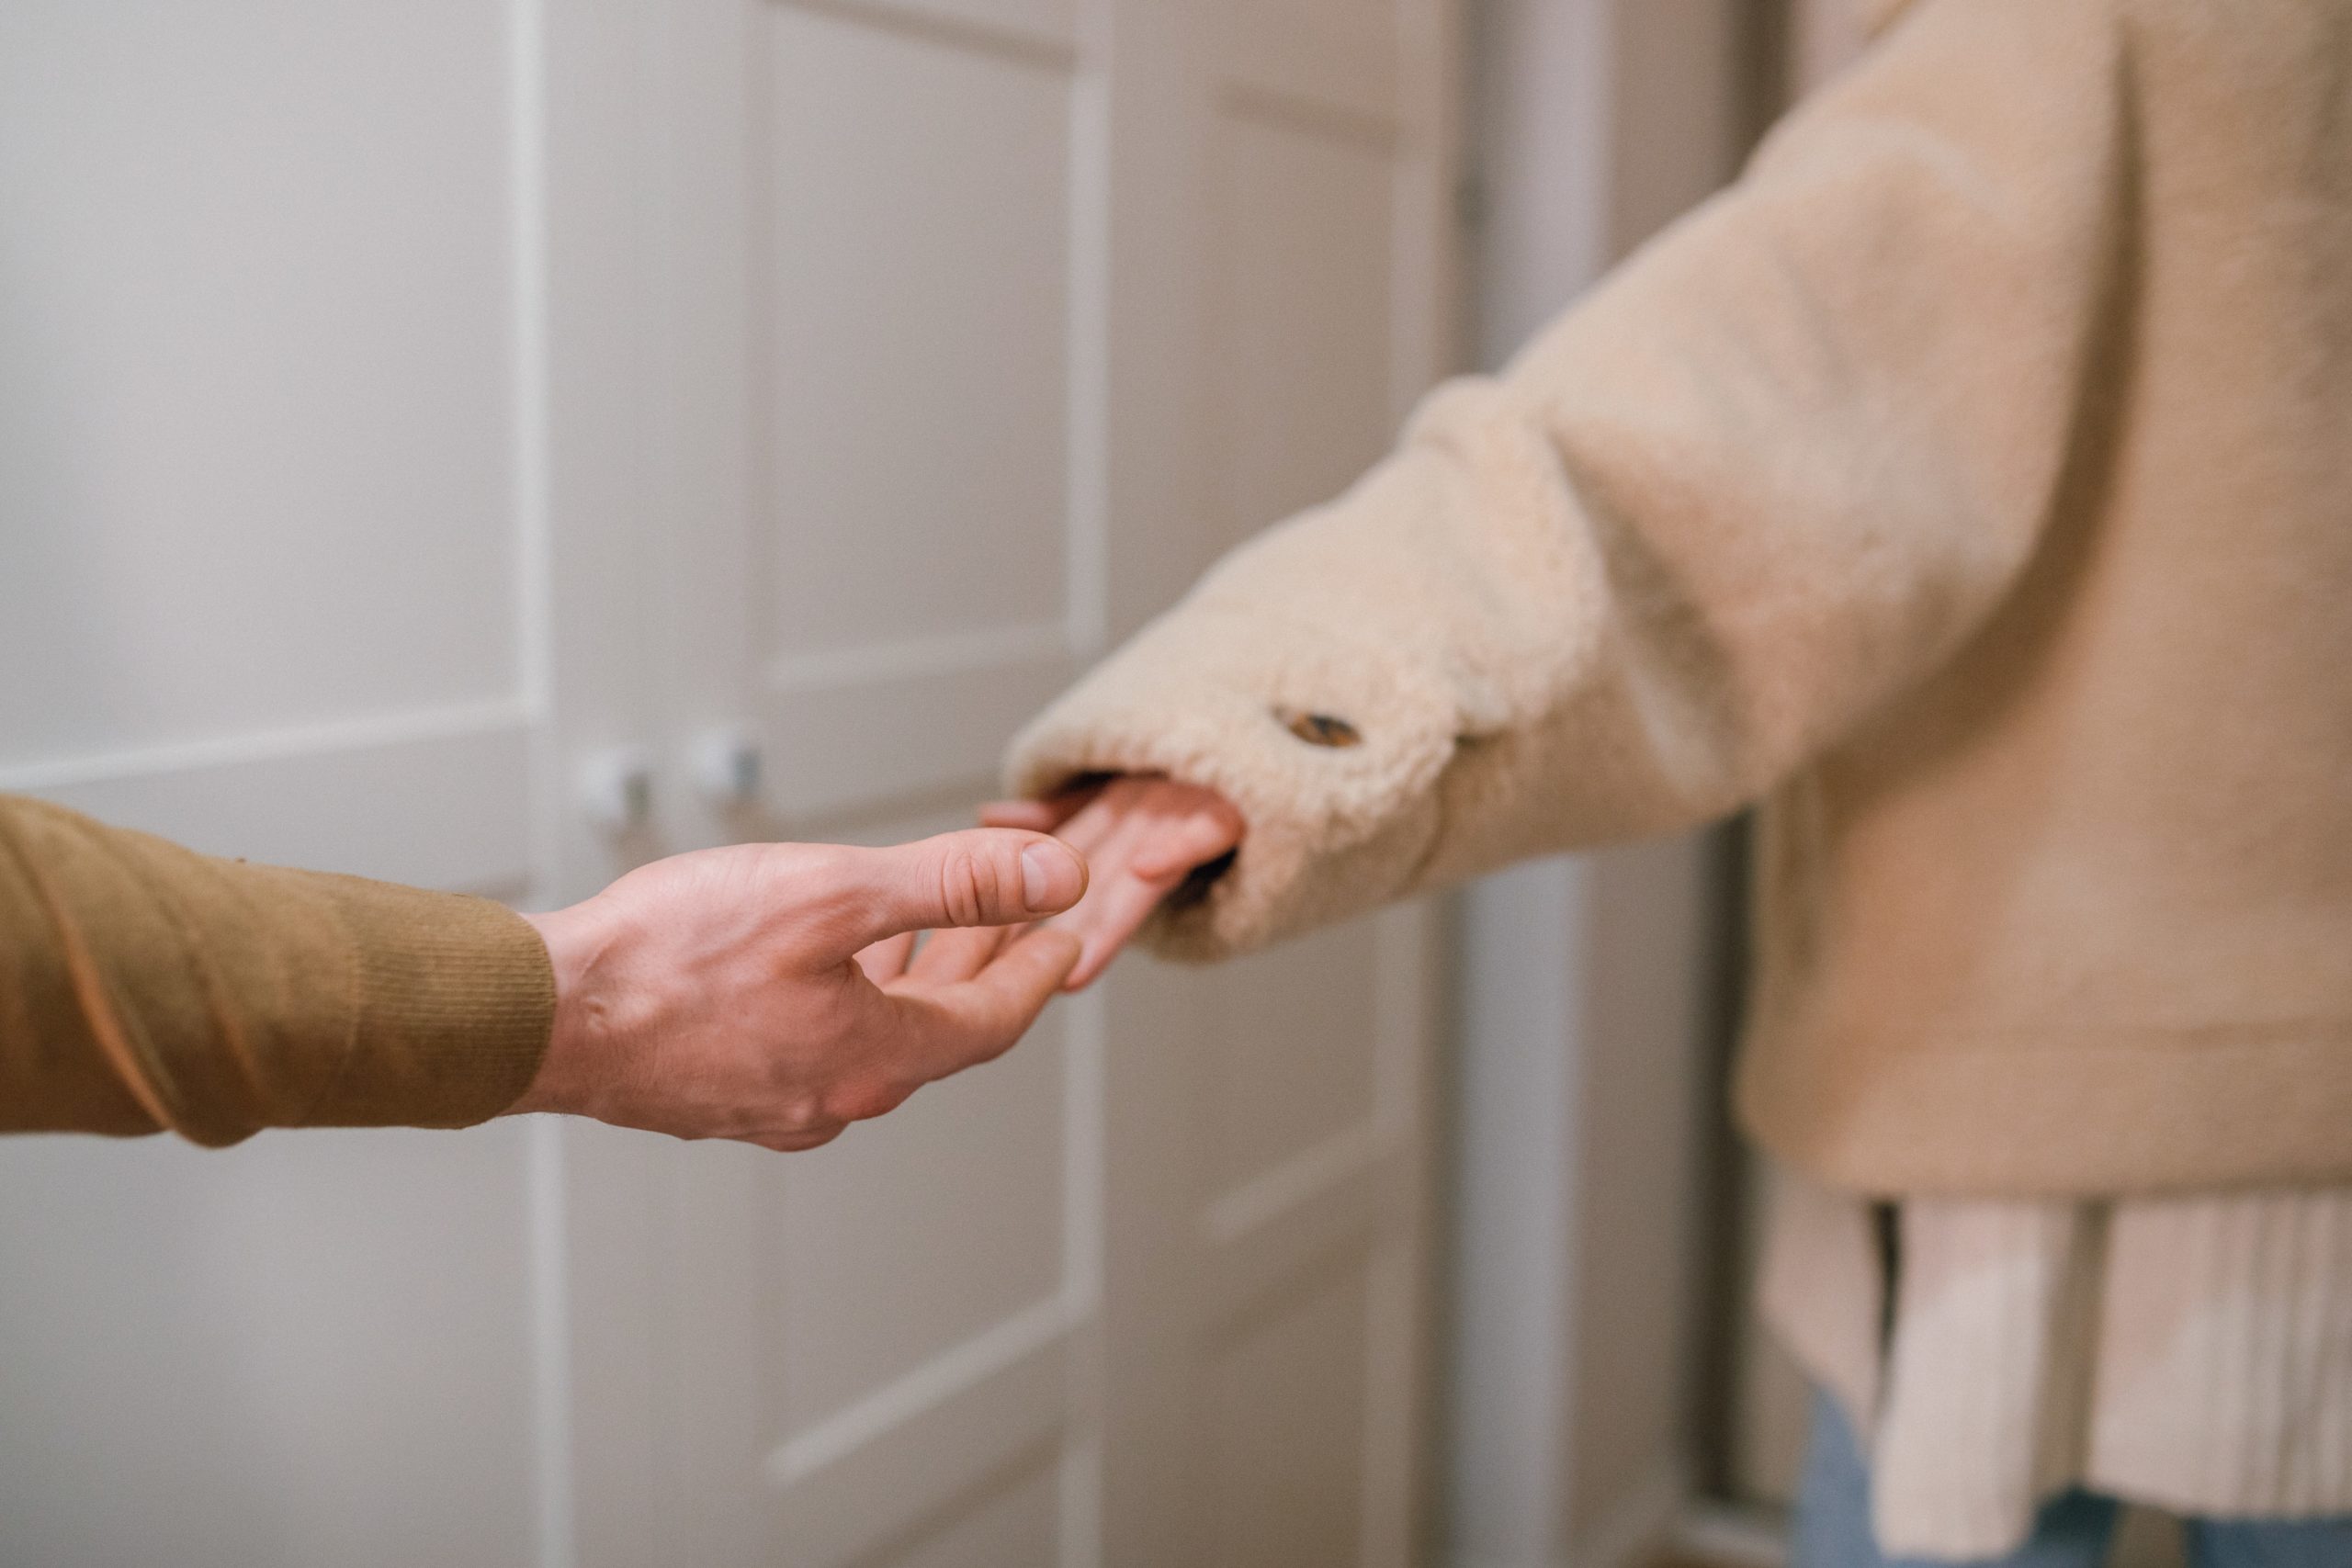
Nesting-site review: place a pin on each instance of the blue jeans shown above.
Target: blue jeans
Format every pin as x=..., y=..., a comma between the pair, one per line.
x=1833, y=1523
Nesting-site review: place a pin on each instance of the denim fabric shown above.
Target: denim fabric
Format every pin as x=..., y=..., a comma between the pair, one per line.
x=1833, y=1524
x=2270, y=1544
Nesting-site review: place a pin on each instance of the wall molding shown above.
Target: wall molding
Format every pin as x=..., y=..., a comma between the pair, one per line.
x=366, y=732
x=851, y=1482
x=973, y=35
x=440, y=798
x=950, y=1375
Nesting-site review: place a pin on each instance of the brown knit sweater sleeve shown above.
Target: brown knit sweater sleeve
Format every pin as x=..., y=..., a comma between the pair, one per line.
x=144, y=987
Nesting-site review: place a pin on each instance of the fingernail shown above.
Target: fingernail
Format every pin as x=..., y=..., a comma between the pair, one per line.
x=1050, y=878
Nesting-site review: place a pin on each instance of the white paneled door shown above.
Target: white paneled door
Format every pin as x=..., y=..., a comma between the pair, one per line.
x=413, y=414
x=270, y=582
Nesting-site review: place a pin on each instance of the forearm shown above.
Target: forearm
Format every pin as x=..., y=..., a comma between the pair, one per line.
x=144, y=988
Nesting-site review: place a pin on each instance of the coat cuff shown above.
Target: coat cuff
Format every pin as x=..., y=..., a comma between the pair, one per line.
x=1330, y=747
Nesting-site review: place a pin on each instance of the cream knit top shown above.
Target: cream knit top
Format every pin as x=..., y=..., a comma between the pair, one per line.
x=2192, y=1353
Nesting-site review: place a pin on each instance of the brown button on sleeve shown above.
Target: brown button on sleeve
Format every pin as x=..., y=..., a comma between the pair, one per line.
x=1319, y=728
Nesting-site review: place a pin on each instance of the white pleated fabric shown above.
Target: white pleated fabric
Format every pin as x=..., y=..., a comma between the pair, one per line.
x=2192, y=1353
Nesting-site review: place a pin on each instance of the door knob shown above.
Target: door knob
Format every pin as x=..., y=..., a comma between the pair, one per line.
x=616, y=789
x=727, y=766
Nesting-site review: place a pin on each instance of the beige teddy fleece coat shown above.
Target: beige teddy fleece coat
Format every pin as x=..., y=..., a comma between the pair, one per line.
x=1975, y=480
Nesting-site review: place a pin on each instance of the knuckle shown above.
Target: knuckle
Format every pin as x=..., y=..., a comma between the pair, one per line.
x=972, y=883
x=800, y=1113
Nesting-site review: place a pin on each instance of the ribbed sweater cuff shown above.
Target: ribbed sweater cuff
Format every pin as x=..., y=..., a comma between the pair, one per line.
x=453, y=1002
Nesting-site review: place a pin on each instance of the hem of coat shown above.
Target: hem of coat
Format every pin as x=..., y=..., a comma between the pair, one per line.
x=2034, y=1115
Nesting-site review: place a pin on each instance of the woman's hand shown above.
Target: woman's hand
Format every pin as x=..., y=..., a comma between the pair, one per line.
x=1142, y=835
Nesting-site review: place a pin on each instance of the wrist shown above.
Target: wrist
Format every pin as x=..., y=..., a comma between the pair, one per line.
x=567, y=1068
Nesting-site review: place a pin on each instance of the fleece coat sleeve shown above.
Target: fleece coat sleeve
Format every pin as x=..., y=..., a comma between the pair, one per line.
x=144, y=988
x=1767, y=475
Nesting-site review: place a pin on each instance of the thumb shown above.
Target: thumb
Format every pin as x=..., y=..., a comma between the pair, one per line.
x=981, y=877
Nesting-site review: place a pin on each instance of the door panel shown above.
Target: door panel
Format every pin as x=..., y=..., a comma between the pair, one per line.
x=1340, y=58
x=920, y=247
x=1266, y=1298
x=265, y=579
x=1320, y=997
x=258, y=433
x=964, y=1185
x=1305, y=354
x=1010, y=1524
x=1284, y=1417
x=266, y=1355
x=240, y=299
x=1295, y=1191
x=918, y=351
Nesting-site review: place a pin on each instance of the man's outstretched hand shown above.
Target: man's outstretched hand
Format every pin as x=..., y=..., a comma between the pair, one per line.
x=765, y=992
x=1143, y=834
